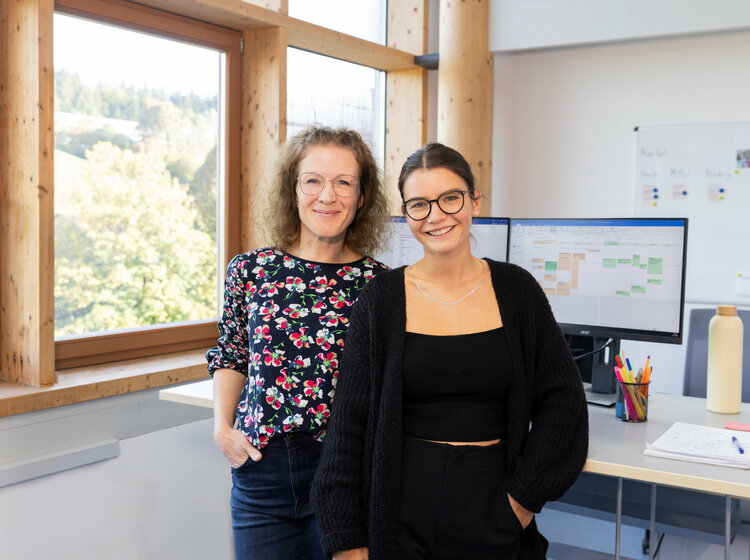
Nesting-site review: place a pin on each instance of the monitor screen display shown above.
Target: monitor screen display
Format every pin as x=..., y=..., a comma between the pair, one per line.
x=490, y=239
x=620, y=277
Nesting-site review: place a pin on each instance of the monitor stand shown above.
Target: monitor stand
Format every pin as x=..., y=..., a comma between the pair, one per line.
x=599, y=399
x=597, y=370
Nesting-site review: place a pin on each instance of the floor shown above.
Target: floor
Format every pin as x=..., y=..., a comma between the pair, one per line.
x=570, y=529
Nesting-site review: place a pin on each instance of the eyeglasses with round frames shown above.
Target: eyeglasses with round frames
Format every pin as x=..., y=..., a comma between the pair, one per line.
x=313, y=183
x=450, y=202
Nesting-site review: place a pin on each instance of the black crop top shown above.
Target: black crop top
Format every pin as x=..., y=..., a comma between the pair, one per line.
x=456, y=387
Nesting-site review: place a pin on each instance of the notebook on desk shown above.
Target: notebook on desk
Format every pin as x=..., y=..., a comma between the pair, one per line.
x=600, y=399
x=702, y=444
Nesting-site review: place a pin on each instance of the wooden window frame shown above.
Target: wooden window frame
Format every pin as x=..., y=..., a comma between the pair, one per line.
x=31, y=377
x=139, y=342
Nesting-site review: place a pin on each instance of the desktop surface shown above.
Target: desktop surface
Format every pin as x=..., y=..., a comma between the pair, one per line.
x=616, y=447
x=599, y=399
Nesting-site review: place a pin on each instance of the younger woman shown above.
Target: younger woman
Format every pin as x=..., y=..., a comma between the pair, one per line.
x=459, y=410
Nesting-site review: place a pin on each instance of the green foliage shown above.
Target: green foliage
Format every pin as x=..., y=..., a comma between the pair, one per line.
x=132, y=255
x=203, y=189
x=80, y=141
x=73, y=97
x=135, y=224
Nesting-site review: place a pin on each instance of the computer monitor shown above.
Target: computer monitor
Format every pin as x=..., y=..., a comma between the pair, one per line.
x=490, y=239
x=619, y=278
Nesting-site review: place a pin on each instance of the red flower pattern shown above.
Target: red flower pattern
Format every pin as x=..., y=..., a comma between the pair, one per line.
x=273, y=304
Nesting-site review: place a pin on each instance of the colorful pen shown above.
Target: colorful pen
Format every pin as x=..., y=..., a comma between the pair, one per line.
x=736, y=443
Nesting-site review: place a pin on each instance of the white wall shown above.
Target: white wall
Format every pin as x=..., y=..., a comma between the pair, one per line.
x=520, y=24
x=165, y=496
x=563, y=122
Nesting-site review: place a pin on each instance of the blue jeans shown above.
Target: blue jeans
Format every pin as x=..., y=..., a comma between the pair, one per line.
x=271, y=514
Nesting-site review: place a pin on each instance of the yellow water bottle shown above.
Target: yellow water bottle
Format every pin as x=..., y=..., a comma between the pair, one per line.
x=724, y=375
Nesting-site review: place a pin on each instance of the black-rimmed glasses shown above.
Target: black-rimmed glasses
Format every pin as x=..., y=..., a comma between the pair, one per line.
x=313, y=183
x=450, y=202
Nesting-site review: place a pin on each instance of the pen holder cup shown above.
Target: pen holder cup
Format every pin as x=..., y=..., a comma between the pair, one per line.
x=631, y=404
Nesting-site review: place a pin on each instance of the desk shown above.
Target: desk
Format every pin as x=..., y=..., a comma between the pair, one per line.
x=616, y=448
x=200, y=393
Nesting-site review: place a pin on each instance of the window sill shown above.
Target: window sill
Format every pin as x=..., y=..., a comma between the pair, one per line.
x=93, y=382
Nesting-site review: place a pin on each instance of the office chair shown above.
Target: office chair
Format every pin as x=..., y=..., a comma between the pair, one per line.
x=696, y=363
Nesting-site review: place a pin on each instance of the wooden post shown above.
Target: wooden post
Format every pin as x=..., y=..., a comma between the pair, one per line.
x=406, y=93
x=263, y=117
x=465, y=87
x=26, y=192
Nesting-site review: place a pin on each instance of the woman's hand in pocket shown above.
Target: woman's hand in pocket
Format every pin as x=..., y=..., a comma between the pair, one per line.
x=235, y=447
x=524, y=515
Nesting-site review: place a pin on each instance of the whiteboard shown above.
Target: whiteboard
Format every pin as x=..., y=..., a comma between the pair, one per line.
x=701, y=172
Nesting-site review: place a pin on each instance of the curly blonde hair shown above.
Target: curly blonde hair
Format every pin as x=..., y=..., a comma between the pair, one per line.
x=279, y=217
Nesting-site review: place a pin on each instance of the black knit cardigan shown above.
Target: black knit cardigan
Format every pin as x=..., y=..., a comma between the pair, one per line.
x=357, y=487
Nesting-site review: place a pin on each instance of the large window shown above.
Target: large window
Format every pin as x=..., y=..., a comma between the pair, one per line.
x=132, y=202
x=344, y=94
x=140, y=154
x=136, y=144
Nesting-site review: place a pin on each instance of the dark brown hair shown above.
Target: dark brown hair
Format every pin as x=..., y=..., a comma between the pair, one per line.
x=435, y=155
x=280, y=220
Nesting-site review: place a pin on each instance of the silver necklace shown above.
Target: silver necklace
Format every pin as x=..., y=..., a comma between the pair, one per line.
x=484, y=275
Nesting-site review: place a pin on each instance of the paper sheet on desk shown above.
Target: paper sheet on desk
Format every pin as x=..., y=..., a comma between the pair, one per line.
x=701, y=444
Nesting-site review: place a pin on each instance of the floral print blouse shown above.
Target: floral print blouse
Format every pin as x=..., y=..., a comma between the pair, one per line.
x=283, y=325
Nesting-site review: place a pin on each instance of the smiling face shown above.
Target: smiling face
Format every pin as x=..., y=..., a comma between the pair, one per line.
x=326, y=216
x=440, y=232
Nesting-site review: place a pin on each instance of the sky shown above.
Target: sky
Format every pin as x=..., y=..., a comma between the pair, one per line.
x=362, y=18
x=100, y=53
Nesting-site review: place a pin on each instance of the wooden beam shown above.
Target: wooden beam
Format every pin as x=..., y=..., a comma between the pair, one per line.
x=46, y=152
x=84, y=350
x=119, y=12
x=405, y=125
x=310, y=37
x=408, y=22
x=26, y=194
x=465, y=88
x=263, y=118
x=406, y=93
x=233, y=14
x=281, y=6
x=94, y=382
x=233, y=158
x=244, y=16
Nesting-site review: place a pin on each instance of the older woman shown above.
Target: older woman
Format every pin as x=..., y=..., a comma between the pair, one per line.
x=459, y=409
x=286, y=311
